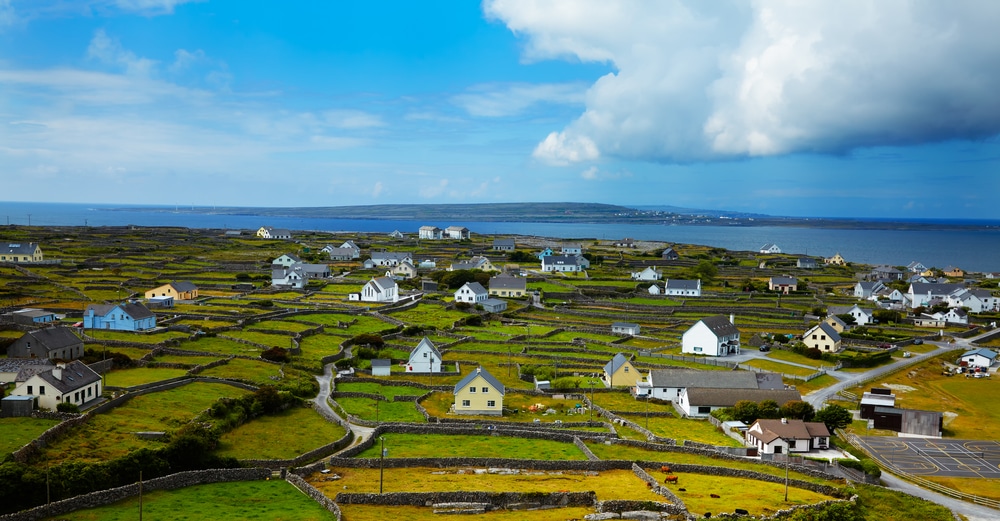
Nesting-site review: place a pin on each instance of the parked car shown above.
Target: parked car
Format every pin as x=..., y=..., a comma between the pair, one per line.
x=765, y=347
x=918, y=341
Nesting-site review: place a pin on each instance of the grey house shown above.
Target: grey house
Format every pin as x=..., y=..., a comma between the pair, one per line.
x=53, y=342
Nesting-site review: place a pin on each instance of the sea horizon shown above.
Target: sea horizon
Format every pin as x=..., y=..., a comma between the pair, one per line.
x=976, y=250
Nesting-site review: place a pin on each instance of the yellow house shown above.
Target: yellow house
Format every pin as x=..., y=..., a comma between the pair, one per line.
x=619, y=372
x=823, y=337
x=836, y=260
x=21, y=252
x=178, y=290
x=479, y=393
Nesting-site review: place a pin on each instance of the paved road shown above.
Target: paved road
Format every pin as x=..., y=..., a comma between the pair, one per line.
x=360, y=432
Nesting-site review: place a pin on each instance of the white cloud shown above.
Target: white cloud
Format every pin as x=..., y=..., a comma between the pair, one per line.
x=150, y=7
x=590, y=173
x=717, y=80
x=110, y=51
x=558, y=149
x=429, y=191
x=495, y=100
x=377, y=190
x=352, y=119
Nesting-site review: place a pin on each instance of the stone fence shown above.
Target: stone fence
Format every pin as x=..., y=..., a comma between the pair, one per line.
x=302, y=459
x=483, y=500
x=314, y=493
x=107, y=497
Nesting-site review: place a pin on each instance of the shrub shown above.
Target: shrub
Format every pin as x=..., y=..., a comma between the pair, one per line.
x=814, y=353
x=67, y=407
x=368, y=339
x=276, y=354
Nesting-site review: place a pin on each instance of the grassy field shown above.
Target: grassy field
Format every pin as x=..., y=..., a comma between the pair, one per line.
x=380, y=513
x=241, y=369
x=17, y=432
x=612, y=484
x=109, y=435
x=288, y=434
x=385, y=390
x=141, y=375
x=485, y=446
x=778, y=367
x=684, y=429
x=274, y=500
x=220, y=345
x=439, y=403
x=366, y=409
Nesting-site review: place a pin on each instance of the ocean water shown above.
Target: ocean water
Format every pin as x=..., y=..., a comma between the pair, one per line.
x=971, y=250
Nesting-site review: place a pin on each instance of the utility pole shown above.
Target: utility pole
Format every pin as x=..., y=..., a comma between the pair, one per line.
x=140, y=495
x=29, y=219
x=381, y=465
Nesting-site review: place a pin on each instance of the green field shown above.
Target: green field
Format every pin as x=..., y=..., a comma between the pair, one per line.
x=17, y=432
x=485, y=446
x=288, y=434
x=273, y=500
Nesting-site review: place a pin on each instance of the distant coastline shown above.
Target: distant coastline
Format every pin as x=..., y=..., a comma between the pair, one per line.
x=588, y=213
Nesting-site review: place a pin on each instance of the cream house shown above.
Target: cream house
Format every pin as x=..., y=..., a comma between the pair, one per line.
x=479, y=393
x=823, y=337
x=620, y=372
x=73, y=382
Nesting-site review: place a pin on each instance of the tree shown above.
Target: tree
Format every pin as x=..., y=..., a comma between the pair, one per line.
x=705, y=270
x=834, y=416
x=746, y=411
x=521, y=256
x=847, y=318
x=768, y=409
x=798, y=410
x=887, y=316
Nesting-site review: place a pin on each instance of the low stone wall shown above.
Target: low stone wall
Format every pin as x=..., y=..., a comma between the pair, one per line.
x=620, y=508
x=656, y=487
x=496, y=500
x=302, y=459
x=585, y=449
x=106, y=497
x=315, y=494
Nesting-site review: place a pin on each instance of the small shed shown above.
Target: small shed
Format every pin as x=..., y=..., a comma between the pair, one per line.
x=17, y=406
x=161, y=302
x=625, y=328
x=381, y=366
x=494, y=305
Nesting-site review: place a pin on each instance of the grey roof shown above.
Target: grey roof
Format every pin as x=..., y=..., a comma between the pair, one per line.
x=703, y=379
x=729, y=397
x=935, y=288
x=383, y=283
x=880, y=400
x=784, y=280
x=504, y=242
x=870, y=285
x=682, y=284
x=341, y=252
x=314, y=269
x=181, y=286
x=769, y=381
x=508, y=282
x=720, y=325
x=426, y=342
x=101, y=309
x=790, y=430
x=55, y=337
x=629, y=325
x=381, y=362
x=561, y=259
x=74, y=376
x=828, y=330
x=616, y=362
x=19, y=248
x=391, y=255
x=486, y=376
x=476, y=288
x=13, y=365
x=34, y=313
x=137, y=311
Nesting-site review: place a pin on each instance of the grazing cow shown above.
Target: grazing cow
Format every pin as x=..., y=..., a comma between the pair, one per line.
x=670, y=479
x=665, y=469
x=682, y=490
x=741, y=512
x=715, y=496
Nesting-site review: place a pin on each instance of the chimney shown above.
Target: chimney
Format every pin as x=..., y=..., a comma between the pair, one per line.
x=479, y=370
x=732, y=319
x=57, y=372
x=784, y=420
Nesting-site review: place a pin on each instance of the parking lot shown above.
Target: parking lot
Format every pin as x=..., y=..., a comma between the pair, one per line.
x=938, y=457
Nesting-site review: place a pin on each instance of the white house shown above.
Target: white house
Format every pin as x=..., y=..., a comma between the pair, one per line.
x=667, y=384
x=571, y=249
x=921, y=294
x=268, y=232
x=862, y=316
x=425, y=358
x=868, y=289
x=981, y=357
x=683, y=288
x=649, y=273
x=381, y=366
x=624, y=328
x=294, y=277
x=73, y=382
x=430, y=232
x=471, y=292
x=286, y=260
x=953, y=316
x=654, y=289
x=770, y=248
x=387, y=259
x=564, y=263
x=477, y=262
x=785, y=436
x=977, y=300
x=380, y=289
x=712, y=336
x=457, y=232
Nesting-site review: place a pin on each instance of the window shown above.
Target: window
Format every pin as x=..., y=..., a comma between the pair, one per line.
x=491, y=403
x=41, y=389
x=486, y=390
x=626, y=368
x=29, y=390
x=425, y=355
x=704, y=409
x=472, y=389
x=465, y=403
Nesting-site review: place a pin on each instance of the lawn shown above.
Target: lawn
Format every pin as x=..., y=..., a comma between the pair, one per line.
x=110, y=435
x=222, y=346
x=17, y=432
x=366, y=409
x=385, y=390
x=380, y=513
x=430, y=315
x=778, y=367
x=683, y=429
x=273, y=500
x=789, y=356
x=288, y=434
x=463, y=446
x=141, y=375
x=439, y=403
x=609, y=484
x=758, y=497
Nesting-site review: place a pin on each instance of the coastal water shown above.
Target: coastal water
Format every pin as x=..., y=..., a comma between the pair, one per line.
x=971, y=250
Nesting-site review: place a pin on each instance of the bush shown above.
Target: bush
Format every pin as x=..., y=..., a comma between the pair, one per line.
x=368, y=339
x=67, y=407
x=276, y=354
x=814, y=353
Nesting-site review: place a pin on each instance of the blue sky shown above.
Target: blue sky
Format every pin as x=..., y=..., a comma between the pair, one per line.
x=841, y=109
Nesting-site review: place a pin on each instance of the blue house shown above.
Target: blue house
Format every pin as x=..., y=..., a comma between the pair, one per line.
x=545, y=253
x=121, y=317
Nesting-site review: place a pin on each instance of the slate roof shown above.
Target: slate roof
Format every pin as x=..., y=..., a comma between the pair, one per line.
x=137, y=311
x=14, y=365
x=426, y=343
x=74, y=376
x=33, y=313
x=476, y=288
x=19, y=248
x=784, y=280
x=391, y=255
x=935, y=288
x=628, y=325
x=464, y=382
x=988, y=353
x=55, y=337
x=616, y=362
x=340, y=252
x=828, y=330
x=383, y=283
x=508, y=282
x=720, y=325
x=683, y=284
x=503, y=243
x=182, y=286
x=381, y=362
x=703, y=379
x=728, y=397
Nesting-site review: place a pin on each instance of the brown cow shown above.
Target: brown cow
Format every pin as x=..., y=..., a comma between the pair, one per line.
x=670, y=479
x=665, y=469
